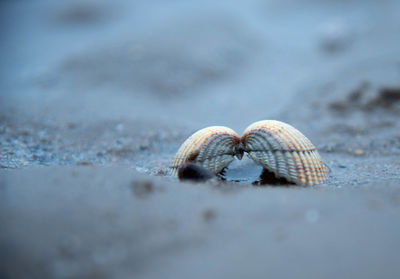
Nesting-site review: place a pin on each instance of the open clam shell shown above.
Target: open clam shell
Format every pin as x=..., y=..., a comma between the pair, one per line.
x=285, y=151
x=213, y=148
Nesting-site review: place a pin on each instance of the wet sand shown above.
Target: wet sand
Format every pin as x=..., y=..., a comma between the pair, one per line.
x=96, y=98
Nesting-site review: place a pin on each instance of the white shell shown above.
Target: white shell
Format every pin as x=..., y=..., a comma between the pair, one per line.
x=283, y=150
x=211, y=147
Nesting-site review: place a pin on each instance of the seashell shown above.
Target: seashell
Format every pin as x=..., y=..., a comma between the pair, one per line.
x=285, y=151
x=212, y=148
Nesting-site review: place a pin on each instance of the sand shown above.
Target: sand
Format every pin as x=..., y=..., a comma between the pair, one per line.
x=96, y=98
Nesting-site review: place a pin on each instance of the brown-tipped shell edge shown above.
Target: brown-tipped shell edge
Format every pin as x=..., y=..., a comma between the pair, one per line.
x=213, y=148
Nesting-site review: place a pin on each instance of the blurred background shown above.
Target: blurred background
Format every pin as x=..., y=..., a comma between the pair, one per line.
x=98, y=84
x=159, y=70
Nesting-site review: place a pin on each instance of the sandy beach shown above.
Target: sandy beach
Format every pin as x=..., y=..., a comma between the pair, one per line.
x=97, y=96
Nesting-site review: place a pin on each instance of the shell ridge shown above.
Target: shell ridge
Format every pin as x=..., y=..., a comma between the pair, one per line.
x=307, y=169
x=215, y=144
x=313, y=172
x=296, y=138
x=300, y=169
x=259, y=140
x=203, y=142
x=323, y=167
x=268, y=157
x=274, y=142
x=281, y=168
x=316, y=165
x=305, y=146
x=270, y=150
x=215, y=157
x=215, y=160
x=291, y=165
x=276, y=133
x=190, y=145
x=208, y=148
x=320, y=165
x=266, y=166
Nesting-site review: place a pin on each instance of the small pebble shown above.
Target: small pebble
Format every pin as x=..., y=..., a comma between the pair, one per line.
x=71, y=125
x=142, y=188
x=190, y=171
x=335, y=36
x=358, y=152
x=209, y=214
x=84, y=163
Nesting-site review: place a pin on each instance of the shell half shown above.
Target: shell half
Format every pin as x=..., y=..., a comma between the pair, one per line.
x=212, y=147
x=285, y=151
